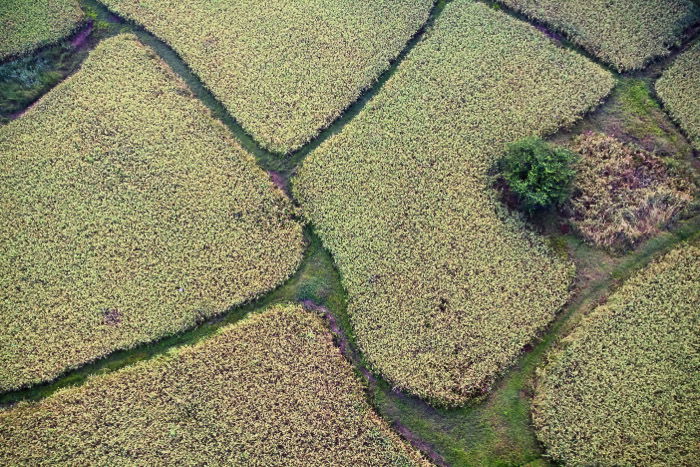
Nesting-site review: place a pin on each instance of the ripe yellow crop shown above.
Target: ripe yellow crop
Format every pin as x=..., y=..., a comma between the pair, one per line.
x=270, y=390
x=623, y=387
x=625, y=33
x=27, y=24
x=679, y=89
x=126, y=213
x=445, y=286
x=285, y=69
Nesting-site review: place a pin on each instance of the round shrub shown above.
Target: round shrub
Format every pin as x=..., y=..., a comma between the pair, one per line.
x=537, y=173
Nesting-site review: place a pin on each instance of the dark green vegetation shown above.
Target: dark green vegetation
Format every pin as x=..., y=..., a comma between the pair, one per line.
x=632, y=114
x=623, y=388
x=537, y=173
x=127, y=214
x=27, y=24
x=270, y=390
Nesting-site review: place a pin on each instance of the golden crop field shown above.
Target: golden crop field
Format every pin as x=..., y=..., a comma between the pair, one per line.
x=445, y=286
x=623, y=389
x=625, y=33
x=679, y=88
x=284, y=69
x=270, y=390
x=126, y=213
x=27, y=24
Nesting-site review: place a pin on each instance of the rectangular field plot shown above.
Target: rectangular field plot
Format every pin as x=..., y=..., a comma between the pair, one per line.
x=445, y=287
x=284, y=69
x=679, y=89
x=270, y=390
x=624, y=33
x=27, y=24
x=126, y=214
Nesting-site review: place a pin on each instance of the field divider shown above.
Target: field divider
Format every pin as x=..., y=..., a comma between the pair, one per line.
x=283, y=165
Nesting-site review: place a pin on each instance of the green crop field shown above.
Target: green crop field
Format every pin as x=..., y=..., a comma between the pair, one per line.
x=445, y=286
x=270, y=390
x=27, y=24
x=625, y=33
x=624, y=388
x=679, y=88
x=284, y=69
x=126, y=214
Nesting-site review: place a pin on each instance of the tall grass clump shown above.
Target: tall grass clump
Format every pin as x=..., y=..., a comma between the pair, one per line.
x=445, y=287
x=127, y=213
x=623, y=388
x=625, y=33
x=270, y=390
x=284, y=69
x=679, y=89
x=28, y=24
x=623, y=194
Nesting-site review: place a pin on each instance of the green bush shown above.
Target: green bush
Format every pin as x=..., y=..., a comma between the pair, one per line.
x=539, y=174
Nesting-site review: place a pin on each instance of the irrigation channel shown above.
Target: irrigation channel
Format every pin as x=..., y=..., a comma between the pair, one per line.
x=494, y=429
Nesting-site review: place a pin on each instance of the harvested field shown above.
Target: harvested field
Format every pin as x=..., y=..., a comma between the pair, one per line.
x=270, y=390
x=622, y=194
x=445, y=287
x=625, y=33
x=126, y=214
x=623, y=387
x=284, y=70
x=27, y=24
x=679, y=88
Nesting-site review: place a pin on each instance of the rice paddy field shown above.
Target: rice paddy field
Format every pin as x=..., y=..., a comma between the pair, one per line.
x=446, y=287
x=270, y=390
x=623, y=389
x=127, y=214
x=624, y=33
x=28, y=24
x=284, y=69
x=284, y=233
x=679, y=89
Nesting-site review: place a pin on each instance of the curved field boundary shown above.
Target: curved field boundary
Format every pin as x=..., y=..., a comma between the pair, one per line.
x=622, y=388
x=626, y=34
x=128, y=214
x=679, y=89
x=26, y=25
x=446, y=287
x=269, y=390
x=285, y=70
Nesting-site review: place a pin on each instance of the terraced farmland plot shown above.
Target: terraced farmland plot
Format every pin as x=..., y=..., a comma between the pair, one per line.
x=27, y=24
x=126, y=214
x=624, y=388
x=624, y=33
x=284, y=69
x=679, y=88
x=270, y=390
x=445, y=286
